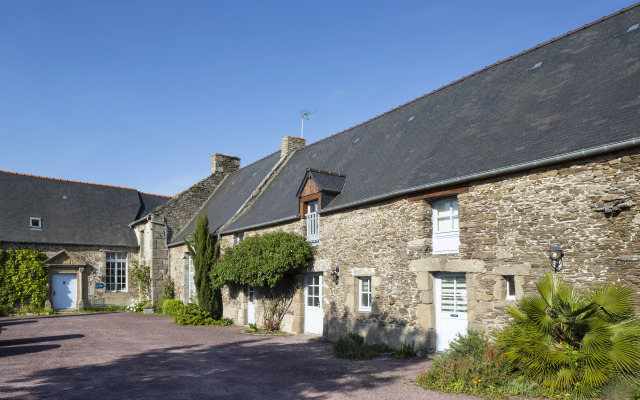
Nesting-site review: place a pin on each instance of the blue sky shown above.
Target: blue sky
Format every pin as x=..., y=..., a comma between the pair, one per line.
x=140, y=93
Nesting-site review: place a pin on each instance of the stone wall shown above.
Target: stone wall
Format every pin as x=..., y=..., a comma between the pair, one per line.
x=94, y=272
x=509, y=224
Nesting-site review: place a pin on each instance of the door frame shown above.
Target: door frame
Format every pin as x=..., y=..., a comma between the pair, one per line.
x=459, y=318
x=311, y=311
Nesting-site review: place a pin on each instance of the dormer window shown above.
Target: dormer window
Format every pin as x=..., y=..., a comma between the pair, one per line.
x=317, y=190
x=35, y=223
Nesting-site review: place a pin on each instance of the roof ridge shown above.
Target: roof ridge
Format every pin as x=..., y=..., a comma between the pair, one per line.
x=85, y=183
x=480, y=71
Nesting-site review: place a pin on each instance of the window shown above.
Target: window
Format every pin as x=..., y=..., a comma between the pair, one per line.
x=191, y=295
x=35, y=223
x=511, y=287
x=364, y=291
x=446, y=234
x=116, y=274
x=239, y=237
x=453, y=294
x=313, y=222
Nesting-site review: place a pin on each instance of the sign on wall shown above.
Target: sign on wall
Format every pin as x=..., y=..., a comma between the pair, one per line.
x=100, y=285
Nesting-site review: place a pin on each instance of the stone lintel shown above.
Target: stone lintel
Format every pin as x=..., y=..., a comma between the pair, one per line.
x=363, y=272
x=519, y=269
x=321, y=265
x=427, y=265
x=464, y=266
x=444, y=265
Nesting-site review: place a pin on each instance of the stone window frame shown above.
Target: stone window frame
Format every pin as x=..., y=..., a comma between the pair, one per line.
x=354, y=303
x=510, y=291
x=440, y=236
x=361, y=292
x=117, y=259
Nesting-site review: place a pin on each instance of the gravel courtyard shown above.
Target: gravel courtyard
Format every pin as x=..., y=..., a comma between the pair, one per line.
x=132, y=356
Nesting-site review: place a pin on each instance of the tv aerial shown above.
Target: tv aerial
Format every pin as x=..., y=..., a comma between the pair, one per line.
x=304, y=114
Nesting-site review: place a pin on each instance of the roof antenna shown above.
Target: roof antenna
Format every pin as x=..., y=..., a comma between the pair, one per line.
x=304, y=114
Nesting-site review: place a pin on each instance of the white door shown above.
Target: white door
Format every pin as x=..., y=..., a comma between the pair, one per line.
x=451, y=308
x=251, y=305
x=313, y=312
x=64, y=291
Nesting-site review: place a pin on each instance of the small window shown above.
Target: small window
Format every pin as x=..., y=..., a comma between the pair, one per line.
x=313, y=222
x=364, y=291
x=35, y=223
x=446, y=233
x=239, y=237
x=511, y=287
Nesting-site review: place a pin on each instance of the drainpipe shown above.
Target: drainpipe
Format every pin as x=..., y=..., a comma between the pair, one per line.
x=166, y=241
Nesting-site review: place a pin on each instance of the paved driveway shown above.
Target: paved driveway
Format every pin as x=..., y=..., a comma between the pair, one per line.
x=131, y=356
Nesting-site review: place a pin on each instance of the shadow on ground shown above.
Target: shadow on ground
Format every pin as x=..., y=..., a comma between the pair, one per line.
x=247, y=368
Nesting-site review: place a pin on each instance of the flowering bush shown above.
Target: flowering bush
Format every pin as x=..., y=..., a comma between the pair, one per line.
x=137, y=306
x=168, y=291
x=482, y=374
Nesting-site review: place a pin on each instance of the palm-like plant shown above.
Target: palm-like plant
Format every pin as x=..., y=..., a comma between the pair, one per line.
x=567, y=339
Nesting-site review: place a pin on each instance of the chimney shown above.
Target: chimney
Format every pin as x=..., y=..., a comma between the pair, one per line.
x=223, y=164
x=289, y=144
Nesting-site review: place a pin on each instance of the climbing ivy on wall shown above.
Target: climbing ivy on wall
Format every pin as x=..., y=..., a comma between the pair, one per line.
x=23, y=279
x=262, y=260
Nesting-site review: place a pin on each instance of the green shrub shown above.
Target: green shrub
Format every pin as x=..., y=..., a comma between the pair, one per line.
x=171, y=307
x=405, y=350
x=574, y=340
x=352, y=347
x=191, y=315
x=355, y=337
x=470, y=343
x=114, y=307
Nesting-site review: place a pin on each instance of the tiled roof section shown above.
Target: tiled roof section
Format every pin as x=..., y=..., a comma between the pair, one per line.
x=230, y=195
x=327, y=181
x=571, y=94
x=72, y=212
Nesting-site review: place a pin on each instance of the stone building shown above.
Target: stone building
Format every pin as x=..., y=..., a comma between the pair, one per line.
x=437, y=214
x=427, y=219
x=82, y=228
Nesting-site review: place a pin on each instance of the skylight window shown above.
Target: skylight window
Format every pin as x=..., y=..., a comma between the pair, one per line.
x=35, y=223
x=633, y=28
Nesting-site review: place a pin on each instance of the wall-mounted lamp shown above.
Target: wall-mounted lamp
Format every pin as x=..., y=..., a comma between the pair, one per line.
x=334, y=275
x=555, y=255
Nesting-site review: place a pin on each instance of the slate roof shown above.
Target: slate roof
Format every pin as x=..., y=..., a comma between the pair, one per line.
x=71, y=212
x=569, y=97
x=230, y=195
x=326, y=181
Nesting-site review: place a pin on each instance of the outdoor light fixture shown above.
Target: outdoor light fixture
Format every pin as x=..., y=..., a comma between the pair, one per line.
x=334, y=275
x=555, y=255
